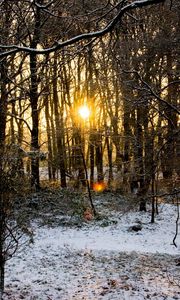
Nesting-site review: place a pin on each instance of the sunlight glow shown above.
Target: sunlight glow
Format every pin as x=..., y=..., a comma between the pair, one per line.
x=99, y=186
x=84, y=112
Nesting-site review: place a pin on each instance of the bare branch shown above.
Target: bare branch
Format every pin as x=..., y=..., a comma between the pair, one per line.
x=19, y=118
x=170, y=83
x=153, y=93
x=10, y=49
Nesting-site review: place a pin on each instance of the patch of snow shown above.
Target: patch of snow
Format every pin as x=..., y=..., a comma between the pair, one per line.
x=153, y=238
x=96, y=262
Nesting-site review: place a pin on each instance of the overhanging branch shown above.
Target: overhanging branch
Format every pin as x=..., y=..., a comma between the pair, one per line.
x=11, y=49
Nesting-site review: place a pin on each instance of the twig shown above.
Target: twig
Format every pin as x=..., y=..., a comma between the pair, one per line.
x=177, y=225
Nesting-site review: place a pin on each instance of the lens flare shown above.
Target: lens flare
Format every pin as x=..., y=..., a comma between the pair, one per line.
x=99, y=186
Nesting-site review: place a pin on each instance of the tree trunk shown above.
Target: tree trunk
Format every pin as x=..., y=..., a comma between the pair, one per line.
x=127, y=134
x=50, y=156
x=169, y=158
x=35, y=182
x=99, y=157
x=110, y=164
x=79, y=158
x=92, y=154
x=59, y=128
x=54, y=145
x=3, y=115
x=139, y=158
x=2, y=231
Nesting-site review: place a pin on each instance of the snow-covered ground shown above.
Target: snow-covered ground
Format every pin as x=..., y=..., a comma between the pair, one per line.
x=98, y=261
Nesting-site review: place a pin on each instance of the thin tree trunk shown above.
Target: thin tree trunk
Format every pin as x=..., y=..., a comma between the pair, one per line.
x=139, y=159
x=99, y=157
x=35, y=181
x=3, y=115
x=91, y=153
x=54, y=145
x=153, y=200
x=2, y=231
x=59, y=129
x=50, y=157
x=169, y=159
x=110, y=164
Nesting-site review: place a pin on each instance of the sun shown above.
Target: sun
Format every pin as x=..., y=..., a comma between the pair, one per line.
x=84, y=112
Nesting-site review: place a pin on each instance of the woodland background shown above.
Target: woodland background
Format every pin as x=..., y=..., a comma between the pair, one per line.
x=127, y=74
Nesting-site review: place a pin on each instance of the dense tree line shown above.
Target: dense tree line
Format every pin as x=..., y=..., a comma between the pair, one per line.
x=119, y=58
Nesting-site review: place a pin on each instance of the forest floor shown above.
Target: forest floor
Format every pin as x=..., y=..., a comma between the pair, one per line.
x=104, y=258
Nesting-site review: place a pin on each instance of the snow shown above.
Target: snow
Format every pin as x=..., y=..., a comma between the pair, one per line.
x=98, y=262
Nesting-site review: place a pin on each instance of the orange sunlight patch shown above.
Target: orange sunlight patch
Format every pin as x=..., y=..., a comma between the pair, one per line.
x=99, y=186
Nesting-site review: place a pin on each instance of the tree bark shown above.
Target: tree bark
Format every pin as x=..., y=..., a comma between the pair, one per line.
x=3, y=115
x=59, y=128
x=35, y=181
